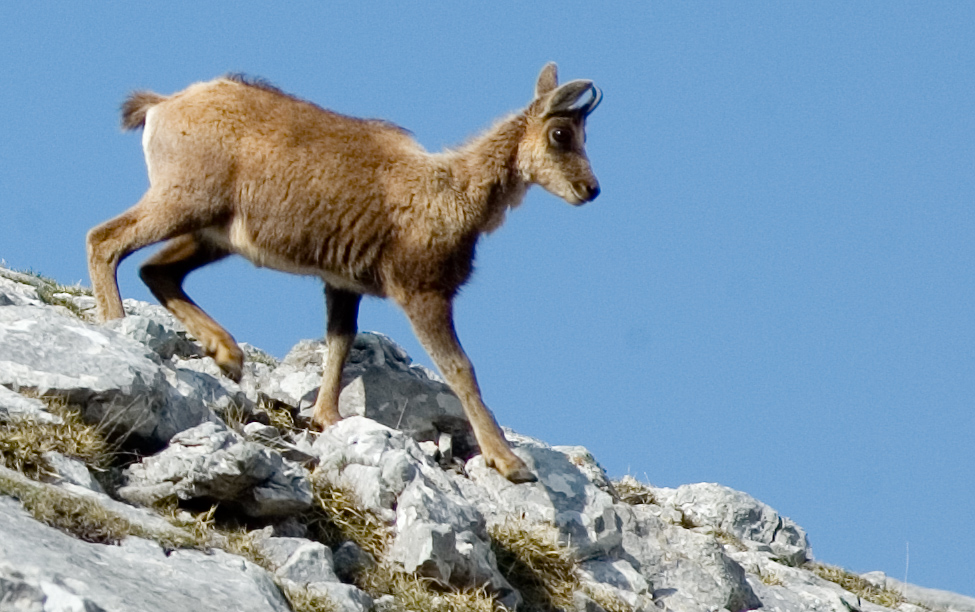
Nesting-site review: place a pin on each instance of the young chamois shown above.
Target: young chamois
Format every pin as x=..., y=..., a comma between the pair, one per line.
x=240, y=167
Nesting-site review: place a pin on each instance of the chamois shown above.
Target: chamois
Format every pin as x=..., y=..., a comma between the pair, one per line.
x=238, y=166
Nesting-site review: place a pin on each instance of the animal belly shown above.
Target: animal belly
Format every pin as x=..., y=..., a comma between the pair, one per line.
x=237, y=238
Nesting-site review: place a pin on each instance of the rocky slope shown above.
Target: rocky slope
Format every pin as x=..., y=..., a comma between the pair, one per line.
x=216, y=496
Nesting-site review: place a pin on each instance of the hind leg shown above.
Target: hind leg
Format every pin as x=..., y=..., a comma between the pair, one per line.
x=159, y=215
x=164, y=272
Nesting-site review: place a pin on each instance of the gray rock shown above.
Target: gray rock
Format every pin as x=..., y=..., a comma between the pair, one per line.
x=564, y=496
x=380, y=383
x=349, y=559
x=165, y=341
x=461, y=559
x=427, y=549
x=741, y=515
x=118, y=381
x=163, y=332
x=629, y=583
x=480, y=569
x=44, y=569
x=277, y=550
x=437, y=532
x=933, y=599
x=215, y=463
x=295, y=381
x=146, y=376
x=261, y=433
x=71, y=470
x=372, y=460
x=16, y=406
x=799, y=590
x=310, y=562
x=140, y=518
x=202, y=380
x=687, y=569
x=345, y=597
x=427, y=501
x=15, y=292
x=303, y=564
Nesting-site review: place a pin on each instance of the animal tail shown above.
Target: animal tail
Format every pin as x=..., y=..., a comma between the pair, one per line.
x=136, y=106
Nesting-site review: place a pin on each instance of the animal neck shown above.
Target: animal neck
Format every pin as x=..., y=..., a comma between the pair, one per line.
x=485, y=171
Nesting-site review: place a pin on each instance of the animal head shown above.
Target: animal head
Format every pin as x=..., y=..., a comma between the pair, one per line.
x=553, y=150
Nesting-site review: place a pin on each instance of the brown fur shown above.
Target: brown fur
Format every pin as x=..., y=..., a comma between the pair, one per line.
x=240, y=167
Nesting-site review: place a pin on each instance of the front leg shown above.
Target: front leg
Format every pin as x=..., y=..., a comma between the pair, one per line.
x=343, y=314
x=432, y=317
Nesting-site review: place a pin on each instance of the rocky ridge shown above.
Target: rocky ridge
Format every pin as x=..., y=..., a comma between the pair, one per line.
x=194, y=440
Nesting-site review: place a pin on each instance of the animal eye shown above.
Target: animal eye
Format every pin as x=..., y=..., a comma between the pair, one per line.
x=561, y=136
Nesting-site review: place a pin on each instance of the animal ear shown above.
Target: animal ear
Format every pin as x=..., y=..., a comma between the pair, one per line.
x=566, y=98
x=548, y=79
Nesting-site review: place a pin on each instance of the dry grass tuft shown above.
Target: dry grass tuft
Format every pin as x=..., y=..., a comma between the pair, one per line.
x=770, y=578
x=728, y=539
x=52, y=292
x=607, y=599
x=23, y=442
x=257, y=355
x=307, y=600
x=339, y=517
x=634, y=492
x=417, y=594
x=279, y=415
x=234, y=416
x=533, y=560
x=81, y=517
x=858, y=586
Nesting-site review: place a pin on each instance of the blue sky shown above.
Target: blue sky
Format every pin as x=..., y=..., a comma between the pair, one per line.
x=774, y=291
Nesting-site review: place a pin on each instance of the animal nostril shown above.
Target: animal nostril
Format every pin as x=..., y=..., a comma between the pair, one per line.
x=586, y=191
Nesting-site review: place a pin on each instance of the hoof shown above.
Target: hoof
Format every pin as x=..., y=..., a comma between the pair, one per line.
x=515, y=470
x=231, y=362
x=232, y=371
x=520, y=475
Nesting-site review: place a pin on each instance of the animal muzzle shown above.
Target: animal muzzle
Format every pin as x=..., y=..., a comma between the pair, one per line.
x=586, y=191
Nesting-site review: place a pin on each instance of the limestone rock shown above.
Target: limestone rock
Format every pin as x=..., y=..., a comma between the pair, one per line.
x=379, y=382
x=44, y=569
x=71, y=470
x=117, y=380
x=564, y=496
x=213, y=462
x=741, y=515
x=933, y=599
x=686, y=569
x=16, y=290
x=16, y=406
x=202, y=380
x=303, y=564
x=350, y=559
x=437, y=532
x=695, y=548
